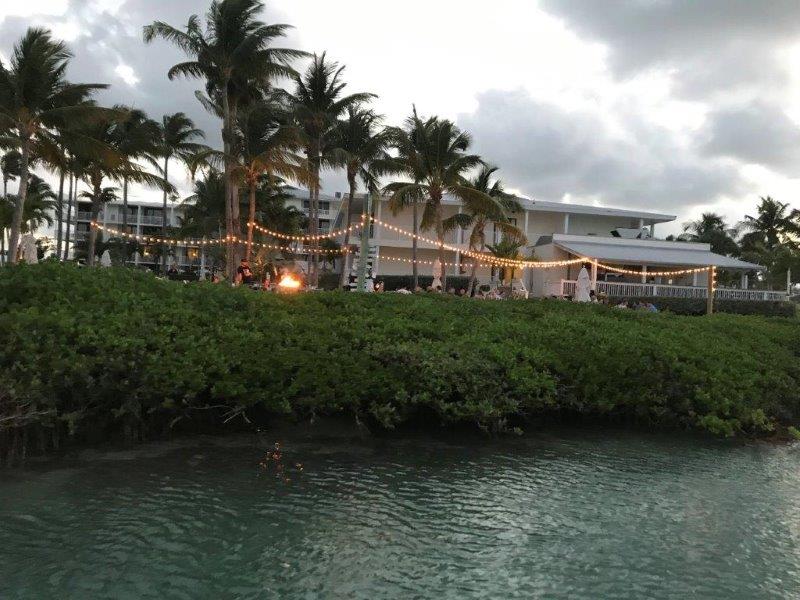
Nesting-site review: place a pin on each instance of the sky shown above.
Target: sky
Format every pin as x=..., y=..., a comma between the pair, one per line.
x=674, y=106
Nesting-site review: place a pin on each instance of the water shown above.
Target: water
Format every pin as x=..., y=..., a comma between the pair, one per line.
x=569, y=515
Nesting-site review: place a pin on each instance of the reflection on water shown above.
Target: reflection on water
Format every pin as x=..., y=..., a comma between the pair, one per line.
x=571, y=515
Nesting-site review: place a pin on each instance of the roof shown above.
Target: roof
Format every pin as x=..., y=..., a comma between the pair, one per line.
x=649, y=252
x=583, y=209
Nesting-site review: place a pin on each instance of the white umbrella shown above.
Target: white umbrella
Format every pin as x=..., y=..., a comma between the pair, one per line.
x=437, y=271
x=27, y=249
x=583, y=286
x=105, y=259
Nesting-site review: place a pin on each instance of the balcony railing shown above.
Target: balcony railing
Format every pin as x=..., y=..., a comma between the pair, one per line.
x=619, y=289
x=84, y=215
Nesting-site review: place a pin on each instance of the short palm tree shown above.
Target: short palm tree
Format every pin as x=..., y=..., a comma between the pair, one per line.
x=509, y=249
x=359, y=144
x=40, y=206
x=432, y=153
x=478, y=215
x=317, y=103
x=711, y=228
x=234, y=54
x=35, y=100
x=176, y=139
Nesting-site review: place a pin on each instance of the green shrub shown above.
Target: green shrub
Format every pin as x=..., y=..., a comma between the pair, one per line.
x=92, y=353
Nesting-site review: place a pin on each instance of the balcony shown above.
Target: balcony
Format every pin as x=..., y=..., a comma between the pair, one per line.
x=153, y=220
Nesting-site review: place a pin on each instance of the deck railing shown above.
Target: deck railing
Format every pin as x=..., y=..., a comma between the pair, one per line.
x=619, y=289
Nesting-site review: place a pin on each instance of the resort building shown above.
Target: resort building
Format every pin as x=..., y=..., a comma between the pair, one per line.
x=619, y=238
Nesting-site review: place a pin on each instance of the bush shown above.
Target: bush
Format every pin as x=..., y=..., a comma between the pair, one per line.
x=92, y=353
x=697, y=306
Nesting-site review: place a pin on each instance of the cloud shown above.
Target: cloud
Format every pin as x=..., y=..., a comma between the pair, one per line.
x=550, y=153
x=757, y=133
x=708, y=46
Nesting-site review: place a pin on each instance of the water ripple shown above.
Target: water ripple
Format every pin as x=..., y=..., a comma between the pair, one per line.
x=589, y=516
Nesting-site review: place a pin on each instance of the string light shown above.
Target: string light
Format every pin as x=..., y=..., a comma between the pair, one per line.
x=648, y=273
x=204, y=242
x=429, y=262
x=301, y=238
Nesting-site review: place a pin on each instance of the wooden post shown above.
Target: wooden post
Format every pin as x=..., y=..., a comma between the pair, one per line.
x=712, y=275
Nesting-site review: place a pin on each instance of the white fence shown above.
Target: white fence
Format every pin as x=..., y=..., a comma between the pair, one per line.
x=634, y=290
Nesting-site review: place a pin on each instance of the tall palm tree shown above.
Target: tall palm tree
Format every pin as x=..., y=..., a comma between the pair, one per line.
x=176, y=140
x=35, y=100
x=774, y=223
x=360, y=144
x=136, y=137
x=102, y=161
x=433, y=154
x=233, y=54
x=479, y=214
x=318, y=102
x=10, y=166
x=267, y=145
x=711, y=228
x=41, y=204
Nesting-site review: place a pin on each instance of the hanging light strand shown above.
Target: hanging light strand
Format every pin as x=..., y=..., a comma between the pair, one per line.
x=301, y=238
x=149, y=239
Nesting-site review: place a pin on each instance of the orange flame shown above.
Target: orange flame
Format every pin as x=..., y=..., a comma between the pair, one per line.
x=288, y=282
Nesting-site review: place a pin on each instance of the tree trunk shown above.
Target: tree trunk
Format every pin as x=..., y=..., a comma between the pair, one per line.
x=69, y=215
x=230, y=267
x=415, y=230
x=251, y=218
x=345, y=278
x=164, y=219
x=314, y=213
x=19, y=205
x=93, y=230
x=440, y=240
x=60, y=214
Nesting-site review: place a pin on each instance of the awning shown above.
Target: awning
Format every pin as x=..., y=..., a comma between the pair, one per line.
x=649, y=252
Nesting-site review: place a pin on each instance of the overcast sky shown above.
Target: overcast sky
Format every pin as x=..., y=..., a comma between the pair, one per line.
x=677, y=106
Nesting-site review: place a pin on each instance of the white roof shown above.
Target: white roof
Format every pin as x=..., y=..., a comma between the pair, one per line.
x=583, y=209
x=649, y=252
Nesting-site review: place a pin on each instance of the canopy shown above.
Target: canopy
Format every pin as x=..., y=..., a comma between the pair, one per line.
x=649, y=252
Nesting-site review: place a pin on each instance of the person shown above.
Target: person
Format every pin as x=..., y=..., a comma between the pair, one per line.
x=623, y=304
x=172, y=272
x=243, y=274
x=369, y=285
x=592, y=296
x=651, y=307
x=462, y=292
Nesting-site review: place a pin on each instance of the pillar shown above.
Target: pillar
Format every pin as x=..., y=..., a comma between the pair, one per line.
x=710, y=290
x=525, y=231
x=594, y=275
x=745, y=284
x=653, y=230
x=566, y=223
x=694, y=279
x=644, y=273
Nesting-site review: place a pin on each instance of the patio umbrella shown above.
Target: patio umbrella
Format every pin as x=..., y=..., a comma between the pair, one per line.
x=437, y=271
x=583, y=286
x=105, y=259
x=27, y=249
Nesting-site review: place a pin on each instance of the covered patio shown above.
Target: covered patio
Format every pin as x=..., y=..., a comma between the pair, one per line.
x=645, y=263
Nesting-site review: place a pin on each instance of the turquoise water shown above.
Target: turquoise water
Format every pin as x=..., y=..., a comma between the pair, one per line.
x=568, y=515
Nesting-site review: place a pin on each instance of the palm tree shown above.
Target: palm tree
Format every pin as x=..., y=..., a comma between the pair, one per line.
x=711, y=228
x=136, y=137
x=508, y=248
x=234, y=55
x=41, y=204
x=35, y=100
x=318, y=102
x=9, y=165
x=102, y=161
x=478, y=214
x=176, y=135
x=774, y=223
x=359, y=145
x=433, y=154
